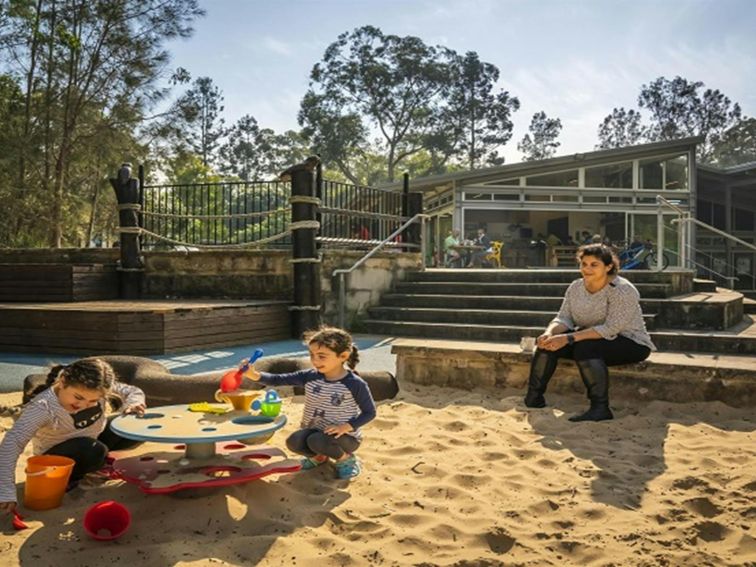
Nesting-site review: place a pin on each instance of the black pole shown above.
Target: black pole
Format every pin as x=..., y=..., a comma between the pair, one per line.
x=414, y=207
x=130, y=267
x=305, y=313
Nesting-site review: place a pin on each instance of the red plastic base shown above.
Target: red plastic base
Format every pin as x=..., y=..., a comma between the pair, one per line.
x=233, y=463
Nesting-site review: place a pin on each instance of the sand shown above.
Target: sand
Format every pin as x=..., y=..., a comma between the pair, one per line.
x=452, y=478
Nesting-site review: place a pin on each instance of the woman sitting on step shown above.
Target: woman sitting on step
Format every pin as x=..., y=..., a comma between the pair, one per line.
x=600, y=324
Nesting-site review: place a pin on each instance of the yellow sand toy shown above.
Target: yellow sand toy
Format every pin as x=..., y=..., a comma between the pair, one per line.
x=205, y=407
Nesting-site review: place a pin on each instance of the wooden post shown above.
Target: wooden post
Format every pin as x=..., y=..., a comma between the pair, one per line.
x=305, y=312
x=130, y=268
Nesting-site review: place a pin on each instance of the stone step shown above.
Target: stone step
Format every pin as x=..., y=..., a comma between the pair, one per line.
x=665, y=340
x=704, y=285
x=495, y=288
x=670, y=376
x=470, y=316
x=749, y=305
x=541, y=276
x=515, y=302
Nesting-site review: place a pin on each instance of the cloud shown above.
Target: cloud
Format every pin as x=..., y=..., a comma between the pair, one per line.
x=277, y=46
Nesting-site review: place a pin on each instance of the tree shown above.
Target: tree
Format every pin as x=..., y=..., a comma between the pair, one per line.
x=88, y=69
x=541, y=142
x=676, y=108
x=679, y=110
x=252, y=153
x=737, y=145
x=200, y=110
x=368, y=79
x=477, y=120
x=621, y=128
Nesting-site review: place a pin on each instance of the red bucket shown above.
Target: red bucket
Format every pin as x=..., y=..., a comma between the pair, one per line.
x=107, y=520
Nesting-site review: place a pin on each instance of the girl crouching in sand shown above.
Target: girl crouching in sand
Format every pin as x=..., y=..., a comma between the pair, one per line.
x=337, y=402
x=68, y=419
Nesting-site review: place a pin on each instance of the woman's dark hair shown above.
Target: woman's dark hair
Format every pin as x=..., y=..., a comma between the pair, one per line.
x=603, y=253
x=89, y=373
x=335, y=339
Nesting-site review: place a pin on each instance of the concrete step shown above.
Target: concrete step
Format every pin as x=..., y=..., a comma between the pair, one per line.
x=665, y=340
x=700, y=285
x=470, y=316
x=749, y=305
x=488, y=288
x=670, y=376
x=537, y=275
x=514, y=302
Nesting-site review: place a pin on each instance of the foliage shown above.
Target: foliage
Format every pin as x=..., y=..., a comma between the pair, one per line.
x=86, y=73
x=677, y=108
x=541, y=141
x=412, y=96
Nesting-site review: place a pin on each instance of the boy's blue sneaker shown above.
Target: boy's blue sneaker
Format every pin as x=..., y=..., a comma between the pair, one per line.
x=312, y=462
x=348, y=468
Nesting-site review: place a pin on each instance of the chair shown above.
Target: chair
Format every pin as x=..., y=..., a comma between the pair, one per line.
x=494, y=256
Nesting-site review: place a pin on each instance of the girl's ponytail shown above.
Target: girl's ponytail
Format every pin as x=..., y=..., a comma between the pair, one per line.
x=354, y=357
x=52, y=376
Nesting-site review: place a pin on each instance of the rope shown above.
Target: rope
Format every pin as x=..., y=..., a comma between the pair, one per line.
x=304, y=199
x=317, y=260
x=120, y=269
x=130, y=207
x=210, y=217
x=368, y=214
x=137, y=230
x=304, y=224
x=304, y=307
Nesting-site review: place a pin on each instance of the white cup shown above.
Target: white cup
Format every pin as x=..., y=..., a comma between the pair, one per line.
x=527, y=344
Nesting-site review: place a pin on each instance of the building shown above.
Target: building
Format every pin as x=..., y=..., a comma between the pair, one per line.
x=541, y=209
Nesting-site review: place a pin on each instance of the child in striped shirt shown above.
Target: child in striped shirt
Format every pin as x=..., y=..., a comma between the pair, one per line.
x=68, y=419
x=337, y=402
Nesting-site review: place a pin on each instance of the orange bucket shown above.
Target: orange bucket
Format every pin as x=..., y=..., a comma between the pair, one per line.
x=46, y=480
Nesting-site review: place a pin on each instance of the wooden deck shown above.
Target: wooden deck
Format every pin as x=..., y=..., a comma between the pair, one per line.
x=140, y=327
x=58, y=282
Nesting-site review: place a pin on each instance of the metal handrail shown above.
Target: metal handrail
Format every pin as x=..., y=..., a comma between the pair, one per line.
x=342, y=273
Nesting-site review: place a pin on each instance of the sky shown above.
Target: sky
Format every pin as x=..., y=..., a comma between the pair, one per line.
x=575, y=60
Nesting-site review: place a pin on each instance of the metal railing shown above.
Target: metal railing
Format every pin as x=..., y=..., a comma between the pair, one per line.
x=688, y=252
x=342, y=273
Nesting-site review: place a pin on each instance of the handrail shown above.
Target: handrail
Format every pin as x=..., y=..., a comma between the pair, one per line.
x=717, y=231
x=342, y=272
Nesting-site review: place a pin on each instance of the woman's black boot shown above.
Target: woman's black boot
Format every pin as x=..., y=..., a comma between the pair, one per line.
x=542, y=368
x=595, y=376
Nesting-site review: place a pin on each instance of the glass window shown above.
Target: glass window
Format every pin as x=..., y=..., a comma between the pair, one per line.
x=651, y=175
x=619, y=175
x=676, y=173
x=671, y=173
x=743, y=220
x=478, y=196
x=506, y=197
x=559, y=179
x=718, y=219
x=515, y=181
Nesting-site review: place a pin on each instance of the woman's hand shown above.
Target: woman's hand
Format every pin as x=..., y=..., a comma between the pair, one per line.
x=553, y=342
x=540, y=340
x=7, y=507
x=137, y=409
x=338, y=430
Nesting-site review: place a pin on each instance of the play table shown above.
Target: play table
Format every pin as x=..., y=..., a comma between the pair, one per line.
x=207, y=448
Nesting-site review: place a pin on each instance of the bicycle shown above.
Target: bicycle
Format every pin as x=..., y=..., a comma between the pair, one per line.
x=641, y=257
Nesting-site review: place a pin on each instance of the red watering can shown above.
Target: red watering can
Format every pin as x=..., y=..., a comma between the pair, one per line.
x=233, y=378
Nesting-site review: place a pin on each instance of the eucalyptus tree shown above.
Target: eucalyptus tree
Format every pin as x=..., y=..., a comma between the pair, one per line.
x=674, y=108
x=541, y=141
x=88, y=69
x=621, y=128
x=372, y=82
